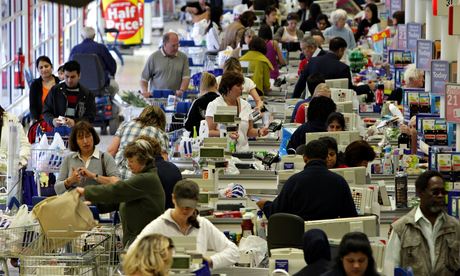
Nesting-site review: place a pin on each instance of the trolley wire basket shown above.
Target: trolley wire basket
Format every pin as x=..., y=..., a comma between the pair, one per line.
x=15, y=241
x=88, y=254
x=47, y=160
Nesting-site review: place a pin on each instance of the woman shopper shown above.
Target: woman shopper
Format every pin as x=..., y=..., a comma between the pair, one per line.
x=141, y=198
x=151, y=122
x=86, y=165
x=41, y=86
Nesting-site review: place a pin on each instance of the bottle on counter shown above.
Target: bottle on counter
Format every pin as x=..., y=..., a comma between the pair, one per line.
x=261, y=225
x=247, y=226
x=401, y=189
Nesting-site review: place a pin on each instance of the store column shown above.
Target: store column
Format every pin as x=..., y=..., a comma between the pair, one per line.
x=409, y=10
x=420, y=8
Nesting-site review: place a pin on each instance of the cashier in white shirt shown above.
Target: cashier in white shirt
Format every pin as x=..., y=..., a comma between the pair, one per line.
x=230, y=88
x=183, y=220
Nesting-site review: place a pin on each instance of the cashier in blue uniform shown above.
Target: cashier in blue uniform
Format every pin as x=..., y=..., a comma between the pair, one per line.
x=315, y=193
x=183, y=220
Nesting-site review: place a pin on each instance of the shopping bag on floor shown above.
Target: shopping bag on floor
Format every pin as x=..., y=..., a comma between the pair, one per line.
x=64, y=216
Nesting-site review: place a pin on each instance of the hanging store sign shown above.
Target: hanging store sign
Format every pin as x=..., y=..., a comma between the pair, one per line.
x=424, y=54
x=123, y=15
x=402, y=37
x=413, y=32
x=453, y=103
x=439, y=76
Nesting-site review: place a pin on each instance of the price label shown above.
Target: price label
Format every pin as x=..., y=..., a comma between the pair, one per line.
x=453, y=103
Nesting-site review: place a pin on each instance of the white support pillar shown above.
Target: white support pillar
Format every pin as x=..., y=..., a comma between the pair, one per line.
x=433, y=23
x=409, y=11
x=147, y=23
x=449, y=53
x=420, y=7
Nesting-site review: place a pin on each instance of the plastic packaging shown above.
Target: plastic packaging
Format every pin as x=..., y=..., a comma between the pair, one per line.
x=387, y=166
x=261, y=225
x=204, y=129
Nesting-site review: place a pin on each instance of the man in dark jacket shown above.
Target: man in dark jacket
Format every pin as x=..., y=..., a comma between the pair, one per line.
x=69, y=99
x=315, y=193
x=328, y=65
x=89, y=46
x=318, y=110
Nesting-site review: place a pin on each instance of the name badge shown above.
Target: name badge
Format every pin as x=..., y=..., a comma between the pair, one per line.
x=70, y=112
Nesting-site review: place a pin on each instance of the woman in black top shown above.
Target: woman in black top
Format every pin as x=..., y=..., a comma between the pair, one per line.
x=310, y=23
x=208, y=90
x=41, y=86
x=371, y=17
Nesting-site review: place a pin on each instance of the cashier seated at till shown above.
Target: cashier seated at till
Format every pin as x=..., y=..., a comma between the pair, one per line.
x=183, y=220
x=230, y=88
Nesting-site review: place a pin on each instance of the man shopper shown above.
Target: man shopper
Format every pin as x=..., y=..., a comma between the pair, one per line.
x=89, y=46
x=315, y=193
x=426, y=239
x=166, y=68
x=69, y=100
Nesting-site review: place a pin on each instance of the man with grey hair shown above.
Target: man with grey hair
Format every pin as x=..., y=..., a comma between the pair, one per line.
x=89, y=46
x=166, y=68
x=310, y=48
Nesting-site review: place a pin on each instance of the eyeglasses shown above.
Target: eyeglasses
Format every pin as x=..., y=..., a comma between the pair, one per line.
x=436, y=192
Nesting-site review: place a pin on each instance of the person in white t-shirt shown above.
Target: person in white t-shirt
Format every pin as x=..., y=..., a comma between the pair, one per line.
x=230, y=88
x=183, y=220
x=249, y=87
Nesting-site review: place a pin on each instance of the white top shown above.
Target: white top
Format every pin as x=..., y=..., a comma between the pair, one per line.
x=21, y=139
x=393, y=250
x=208, y=237
x=248, y=84
x=212, y=39
x=245, y=116
x=288, y=37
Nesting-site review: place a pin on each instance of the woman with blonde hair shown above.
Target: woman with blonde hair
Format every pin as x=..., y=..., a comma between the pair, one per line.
x=152, y=255
x=151, y=122
x=208, y=93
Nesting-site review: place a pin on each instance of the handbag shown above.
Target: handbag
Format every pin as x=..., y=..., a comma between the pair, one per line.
x=64, y=216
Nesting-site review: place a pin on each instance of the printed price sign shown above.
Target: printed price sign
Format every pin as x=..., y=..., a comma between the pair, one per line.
x=453, y=103
x=413, y=32
x=439, y=76
x=402, y=39
x=424, y=54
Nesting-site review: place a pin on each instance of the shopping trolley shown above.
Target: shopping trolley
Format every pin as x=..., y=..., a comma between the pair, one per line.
x=15, y=241
x=45, y=162
x=90, y=253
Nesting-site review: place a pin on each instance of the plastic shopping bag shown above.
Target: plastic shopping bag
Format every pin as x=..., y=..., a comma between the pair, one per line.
x=255, y=248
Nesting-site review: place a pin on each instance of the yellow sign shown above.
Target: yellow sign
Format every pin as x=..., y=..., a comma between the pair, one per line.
x=123, y=15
